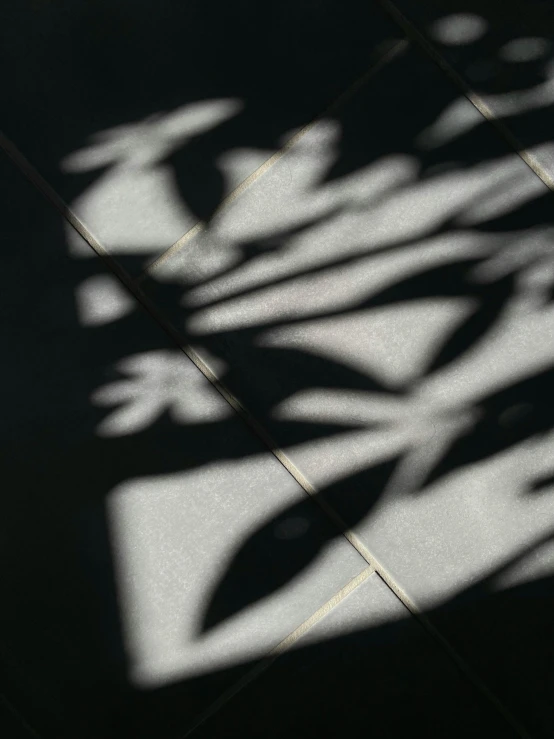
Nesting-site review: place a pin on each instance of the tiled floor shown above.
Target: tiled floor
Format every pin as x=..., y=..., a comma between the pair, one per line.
x=334, y=285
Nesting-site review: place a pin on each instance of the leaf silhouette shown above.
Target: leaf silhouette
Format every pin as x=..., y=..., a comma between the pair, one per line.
x=281, y=548
x=446, y=280
x=494, y=298
x=506, y=418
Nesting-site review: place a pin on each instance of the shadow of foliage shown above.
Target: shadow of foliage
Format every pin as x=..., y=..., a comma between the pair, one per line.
x=75, y=70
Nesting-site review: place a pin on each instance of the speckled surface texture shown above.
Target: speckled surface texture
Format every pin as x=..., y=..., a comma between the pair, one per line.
x=278, y=450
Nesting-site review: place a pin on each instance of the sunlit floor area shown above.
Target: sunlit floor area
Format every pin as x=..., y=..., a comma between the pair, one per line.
x=278, y=326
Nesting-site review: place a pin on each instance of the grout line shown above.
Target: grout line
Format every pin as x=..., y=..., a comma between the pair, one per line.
x=20, y=161
x=474, y=98
x=391, y=53
x=284, y=646
x=48, y=191
x=470, y=675
x=326, y=608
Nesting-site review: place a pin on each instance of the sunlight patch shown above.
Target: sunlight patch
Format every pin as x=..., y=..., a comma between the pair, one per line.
x=458, y=29
x=151, y=139
x=134, y=204
x=102, y=299
x=457, y=119
x=154, y=383
x=525, y=49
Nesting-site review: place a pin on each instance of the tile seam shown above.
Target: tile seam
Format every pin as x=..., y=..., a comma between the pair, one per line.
x=387, y=56
x=474, y=98
x=284, y=646
x=44, y=187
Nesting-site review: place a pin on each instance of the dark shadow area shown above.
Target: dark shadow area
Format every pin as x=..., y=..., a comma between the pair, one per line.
x=76, y=70
x=385, y=679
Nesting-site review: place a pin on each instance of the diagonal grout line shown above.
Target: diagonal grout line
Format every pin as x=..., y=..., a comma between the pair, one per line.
x=50, y=194
x=391, y=53
x=475, y=99
x=283, y=646
x=60, y=205
x=326, y=608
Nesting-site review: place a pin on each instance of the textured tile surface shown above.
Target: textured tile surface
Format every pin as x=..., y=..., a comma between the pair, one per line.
x=142, y=535
x=146, y=114
x=367, y=666
x=382, y=302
